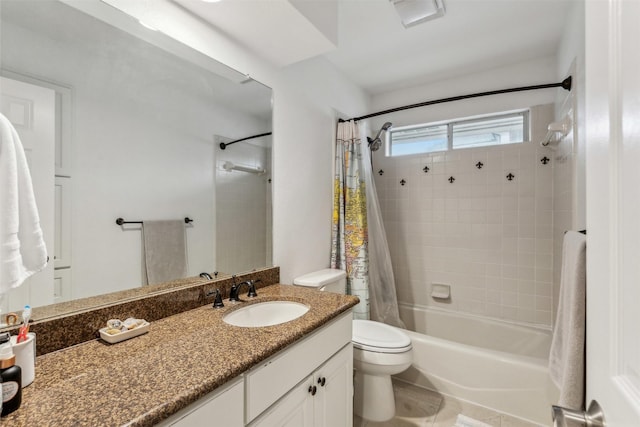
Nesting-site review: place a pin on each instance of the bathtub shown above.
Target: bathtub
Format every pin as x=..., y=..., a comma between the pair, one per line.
x=495, y=364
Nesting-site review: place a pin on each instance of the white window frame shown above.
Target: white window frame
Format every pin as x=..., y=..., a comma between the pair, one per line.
x=526, y=131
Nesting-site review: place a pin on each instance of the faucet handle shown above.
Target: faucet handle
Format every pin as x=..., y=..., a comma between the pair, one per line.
x=217, y=302
x=233, y=292
x=252, y=288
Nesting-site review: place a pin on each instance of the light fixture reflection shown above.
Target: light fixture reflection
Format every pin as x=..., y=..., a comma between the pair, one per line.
x=148, y=26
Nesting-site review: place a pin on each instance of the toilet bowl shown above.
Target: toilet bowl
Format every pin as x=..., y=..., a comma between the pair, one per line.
x=379, y=351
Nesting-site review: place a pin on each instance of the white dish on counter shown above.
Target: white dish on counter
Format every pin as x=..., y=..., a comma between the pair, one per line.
x=112, y=339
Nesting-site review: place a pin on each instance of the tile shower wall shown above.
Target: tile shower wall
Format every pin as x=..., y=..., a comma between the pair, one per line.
x=458, y=220
x=243, y=210
x=564, y=190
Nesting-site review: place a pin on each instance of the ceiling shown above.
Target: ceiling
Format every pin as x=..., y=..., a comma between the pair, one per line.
x=377, y=53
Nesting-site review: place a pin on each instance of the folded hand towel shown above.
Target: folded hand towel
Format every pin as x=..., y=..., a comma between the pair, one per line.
x=566, y=358
x=22, y=248
x=164, y=250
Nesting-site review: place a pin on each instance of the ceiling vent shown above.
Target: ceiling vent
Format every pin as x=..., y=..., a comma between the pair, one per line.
x=414, y=12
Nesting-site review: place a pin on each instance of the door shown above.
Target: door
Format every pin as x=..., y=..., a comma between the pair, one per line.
x=613, y=208
x=31, y=110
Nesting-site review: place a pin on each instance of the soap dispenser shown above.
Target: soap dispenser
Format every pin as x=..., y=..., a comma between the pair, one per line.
x=11, y=376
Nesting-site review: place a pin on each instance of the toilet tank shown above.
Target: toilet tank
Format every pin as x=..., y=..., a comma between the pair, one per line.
x=329, y=279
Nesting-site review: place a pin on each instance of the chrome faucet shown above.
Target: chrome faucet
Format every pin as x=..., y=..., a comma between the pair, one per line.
x=235, y=289
x=207, y=276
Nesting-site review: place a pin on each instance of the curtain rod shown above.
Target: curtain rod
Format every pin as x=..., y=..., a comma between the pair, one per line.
x=565, y=84
x=223, y=145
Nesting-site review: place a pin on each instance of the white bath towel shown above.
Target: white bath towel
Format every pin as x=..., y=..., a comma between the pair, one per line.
x=164, y=250
x=566, y=358
x=22, y=248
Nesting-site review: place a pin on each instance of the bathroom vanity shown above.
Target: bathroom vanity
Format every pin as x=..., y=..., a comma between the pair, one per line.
x=311, y=385
x=193, y=366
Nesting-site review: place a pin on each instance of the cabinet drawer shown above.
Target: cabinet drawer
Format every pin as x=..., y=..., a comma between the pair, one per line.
x=277, y=375
x=221, y=407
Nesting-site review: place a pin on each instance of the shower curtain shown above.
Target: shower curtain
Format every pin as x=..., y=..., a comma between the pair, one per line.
x=382, y=283
x=349, y=250
x=359, y=244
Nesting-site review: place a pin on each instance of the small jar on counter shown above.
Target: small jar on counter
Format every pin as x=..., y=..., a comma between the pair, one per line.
x=10, y=376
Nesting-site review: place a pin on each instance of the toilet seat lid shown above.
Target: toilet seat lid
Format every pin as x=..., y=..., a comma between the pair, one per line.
x=379, y=337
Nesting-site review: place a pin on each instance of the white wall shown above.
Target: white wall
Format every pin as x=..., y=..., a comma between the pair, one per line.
x=542, y=70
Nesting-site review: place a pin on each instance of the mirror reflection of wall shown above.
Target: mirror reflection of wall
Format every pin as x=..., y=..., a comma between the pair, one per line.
x=135, y=125
x=243, y=205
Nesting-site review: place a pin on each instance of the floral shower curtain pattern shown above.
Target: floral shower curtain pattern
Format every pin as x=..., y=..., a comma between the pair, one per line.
x=349, y=249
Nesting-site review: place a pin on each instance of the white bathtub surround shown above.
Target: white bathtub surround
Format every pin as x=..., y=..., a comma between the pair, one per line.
x=477, y=331
x=489, y=238
x=566, y=358
x=494, y=364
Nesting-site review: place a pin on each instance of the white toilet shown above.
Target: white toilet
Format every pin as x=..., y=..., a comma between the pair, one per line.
x=379, y=351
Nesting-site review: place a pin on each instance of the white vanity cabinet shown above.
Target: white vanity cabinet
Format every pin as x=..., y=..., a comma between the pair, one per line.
x=268, y=382
x=324, y=399
x=222, y=407
x=309, y=383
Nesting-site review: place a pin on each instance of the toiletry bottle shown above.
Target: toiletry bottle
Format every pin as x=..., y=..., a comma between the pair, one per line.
x=11, y=377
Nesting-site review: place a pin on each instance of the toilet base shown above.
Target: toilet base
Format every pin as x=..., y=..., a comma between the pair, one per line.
x=373, y=397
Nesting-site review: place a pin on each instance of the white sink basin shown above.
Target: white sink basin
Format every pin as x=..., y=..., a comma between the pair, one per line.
x=266, y=313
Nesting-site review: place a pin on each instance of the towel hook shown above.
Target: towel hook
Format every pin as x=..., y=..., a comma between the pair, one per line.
x=562, y=127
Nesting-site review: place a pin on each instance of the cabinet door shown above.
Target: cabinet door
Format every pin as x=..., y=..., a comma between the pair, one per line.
x=274, y=377
x=293, y=410
x=220, y=408
x=333, y=403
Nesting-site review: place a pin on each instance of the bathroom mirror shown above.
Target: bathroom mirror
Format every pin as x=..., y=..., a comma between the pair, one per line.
x=135, y=121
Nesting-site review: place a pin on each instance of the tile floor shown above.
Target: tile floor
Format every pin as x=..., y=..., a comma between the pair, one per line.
x=418, y=407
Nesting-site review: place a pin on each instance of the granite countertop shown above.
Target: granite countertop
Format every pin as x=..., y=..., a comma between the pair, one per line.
x=141, y=381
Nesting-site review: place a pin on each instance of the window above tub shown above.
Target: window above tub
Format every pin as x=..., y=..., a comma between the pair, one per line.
x=495, y=129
